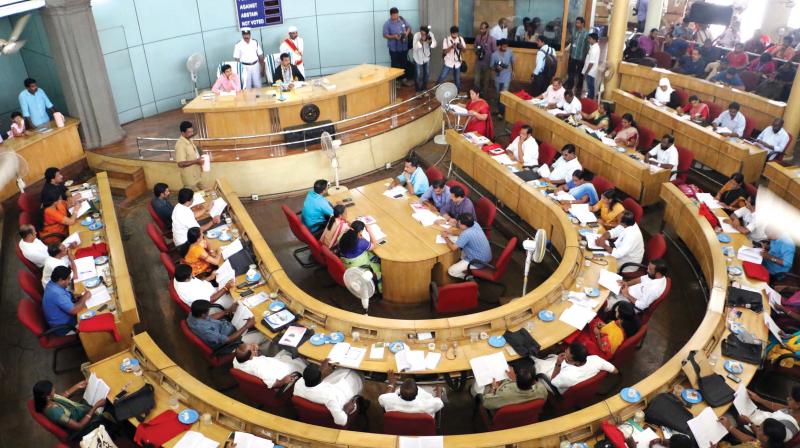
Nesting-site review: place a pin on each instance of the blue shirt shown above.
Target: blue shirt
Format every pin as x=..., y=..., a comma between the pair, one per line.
x=362, y=245
x=540, y=58
x=474, y=245
x=418, y=179
x=163, y=209
x=396, y=27
x=736, y=81
x=677, y=48
x=35, y=106
x=316, y=211
x=507, y=58
x=641, y=10
x=782, y=248
x=692, y=67
x=214, y=332
x=584, y=190
x=454, y=210
x=439, y=200
x=56, y=304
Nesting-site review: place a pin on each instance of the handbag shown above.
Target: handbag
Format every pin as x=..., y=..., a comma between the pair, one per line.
x=709, y=215
x=734, y=347
x=522, y=342
x=755, y=271
x=690, y=190
x=667, y=410
x=98, y=438
x=715, y=390
x=745, y=299
x=137, y=404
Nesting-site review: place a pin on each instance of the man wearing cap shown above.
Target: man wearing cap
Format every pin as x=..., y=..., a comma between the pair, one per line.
x=248, y=52
x=293, y=46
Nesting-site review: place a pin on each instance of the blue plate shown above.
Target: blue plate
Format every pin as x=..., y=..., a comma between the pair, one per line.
x=276, y=306
x=213, y=233
x=592, y=292
x=101, y=260
x=630, y=395
x=188, y=416
x=86, y=221
x=97, y=225
x=88, y=315
x=336, y=337
x=91, y=282
x=318, y=339
x=722, y=238
x=254, y=278
x=691, y=396
x=547, y=315
x=735, y=270
x=734, y=367
x=134, y=362
x=497, y=341
x=225, y=236
x=396, y=346
x=542, y=183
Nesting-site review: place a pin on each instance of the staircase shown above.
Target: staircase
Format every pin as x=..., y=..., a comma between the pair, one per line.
x=127, y=181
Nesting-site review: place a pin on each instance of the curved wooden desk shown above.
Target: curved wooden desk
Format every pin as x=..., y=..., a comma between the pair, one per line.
x=48, y=146
x=784, y=181
x=635, y=178
x=358, y=90
x=726, y=155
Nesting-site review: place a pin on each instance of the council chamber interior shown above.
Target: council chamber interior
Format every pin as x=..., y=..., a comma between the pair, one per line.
x=432, y=223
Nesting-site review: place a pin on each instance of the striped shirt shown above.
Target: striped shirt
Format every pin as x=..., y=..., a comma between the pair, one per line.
x=474, y=245
x=578, y=49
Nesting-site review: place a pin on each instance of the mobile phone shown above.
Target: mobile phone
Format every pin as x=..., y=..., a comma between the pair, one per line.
x=242, y=285
x=247, y=293
x=350, y=204
x=734, y=378
x=398, y=196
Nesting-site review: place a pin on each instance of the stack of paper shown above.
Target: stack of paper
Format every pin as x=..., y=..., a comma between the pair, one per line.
x=562, y=196
x=85, y=269
x=99, y=296
x=74, y=238
x=231, y=249
x=591, y=241
x=256, y=299
x=432, y=360
x=84, y=207
x=194, y=439
x=489, y=368
x=86, y=194
x=346, y=355
x=225, y=273
x=474, y=137
x=503, y=159
x=247, y=440
x=458, y=110
x=723, y=130
x=396, y=192
x=421, y=442
x=707, y=430
x=410, y=360
x=708, y=199
x=751, y=254
x=583, y=213
x=425, y=217
x=240, y=316
x=96, y=390
x=217, y=207
x=380, y=237
x=577, y=316
x=609, y=280
x=727, y=228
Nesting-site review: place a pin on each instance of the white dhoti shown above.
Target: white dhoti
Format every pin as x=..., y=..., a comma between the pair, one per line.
x=251, y=76
x=302, y=69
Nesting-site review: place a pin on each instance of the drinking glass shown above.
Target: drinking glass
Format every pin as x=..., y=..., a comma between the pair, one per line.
x=356, y=336
x=473, y=337
x=174, y=403
x=579, y=283
x=564, y=295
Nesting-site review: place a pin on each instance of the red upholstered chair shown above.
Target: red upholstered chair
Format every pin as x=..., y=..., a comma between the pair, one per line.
x=751, y=189
x=169, y=265
x=302, y=233
x=779, y=157
x=750, y=79
x=317, y=414
x=588, y=105
x=648, y=313
x=663, y=59
x=485, y=212
x=173, y=294
x=28, y=202
x=628, y=347
x=655, y=248
x=685, y=160
x=157, y=219
x=513, y=415
x=35, y=270
x=215, y=360
x=602, y=184
x=616, y=122
x=749, y=125
x=25, y=218
x=433, y=173
x=31, y=316
x=157, y=238
x=683, y=97
x=632, y=206
x=452, y=183
x=31, y=285
x=455, y=297
x=253, y=388
x=407, y=424
x=334, y=265
x=59, y=432
x=646, y=138
x=494, y=273
x=515, y=130
x=547, y=153
x=714, y=110
x=578, y=395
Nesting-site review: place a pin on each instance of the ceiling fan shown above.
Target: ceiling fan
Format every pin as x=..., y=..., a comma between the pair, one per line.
x=13, y=45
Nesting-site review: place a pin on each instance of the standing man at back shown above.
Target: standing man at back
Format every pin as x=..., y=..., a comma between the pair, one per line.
x=503, y=65
x=396, y=31
x=485, y=46
x=248, y=52
x=545, y=67
x=188, y=157
x=293, y=46
x=577, y=56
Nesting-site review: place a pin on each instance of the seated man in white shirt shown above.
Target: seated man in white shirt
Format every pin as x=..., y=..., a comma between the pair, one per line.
x=774, y=138
x=337, y=389
x=57, y=255
x=524, y=148
x=410, y=398
x=562, y=169
x=32, y=248
x=571, y=106
x=642, y=291
x=571, y=367
x=746, y=222
x=190, y=288
x=665, y=155
x=733, y=121
x=628, y=242
x=184, y=217
x=275, y=371
x=554, y=93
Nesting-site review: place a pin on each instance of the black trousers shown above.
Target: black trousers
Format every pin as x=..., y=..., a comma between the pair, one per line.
x=574, y=75
x=400, y=60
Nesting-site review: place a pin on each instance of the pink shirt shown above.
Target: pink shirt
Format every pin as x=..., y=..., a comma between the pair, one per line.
x=553, y=96
x=227, y=85
x=16, y=130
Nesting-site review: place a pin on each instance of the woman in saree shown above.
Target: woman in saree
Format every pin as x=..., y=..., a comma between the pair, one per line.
x=336, y=226
x=698, y=111
x=354, y=250
x=628, y=135
x=480, y=115
x=609, y=208
x=603, y=339
x=600, y=119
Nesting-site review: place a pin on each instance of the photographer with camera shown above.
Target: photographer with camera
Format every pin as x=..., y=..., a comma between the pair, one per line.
x=397, y=31
x=503, y=66
x=452, y=46
x=423, y=42
x=485, y=46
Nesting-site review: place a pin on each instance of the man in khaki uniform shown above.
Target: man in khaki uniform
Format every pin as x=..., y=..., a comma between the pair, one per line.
x=188, y=158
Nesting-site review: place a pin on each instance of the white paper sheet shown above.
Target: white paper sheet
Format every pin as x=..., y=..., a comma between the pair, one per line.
x=555, y=111
x=609, y=281
x=217, y=207
x=421, y=442
x=376, y=350
x=206, y=162
x=86, y=194
x=458, y=109
x=743, y=403
x=396, y=191
x=240, y=316
x=247, y=440
x=728, y=228
x=425, y=217
x=775, y=298
x=544, y=171
x=584, y=215
x=504, y=159
x=723, y=130
x=194, y=439
x=85, y=269
x=773, y=328
x=751, y=254
x=432, y=360
x=96, y=390
x=706, y=429
x=488, y=368
x=562, y=196
x=591, y=241
x=198, y=198
x=440, y=239
x=83, y=208
x=74, y=238
x=346, y=355
x=410, y=360
x=231, y=249
x=256, y=299
x=99, y=296
x=577, y=316
x=225, y=273
x=708, y=199
x=380, y=237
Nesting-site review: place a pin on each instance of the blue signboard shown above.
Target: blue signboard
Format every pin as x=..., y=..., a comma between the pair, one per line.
x=258, y=13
